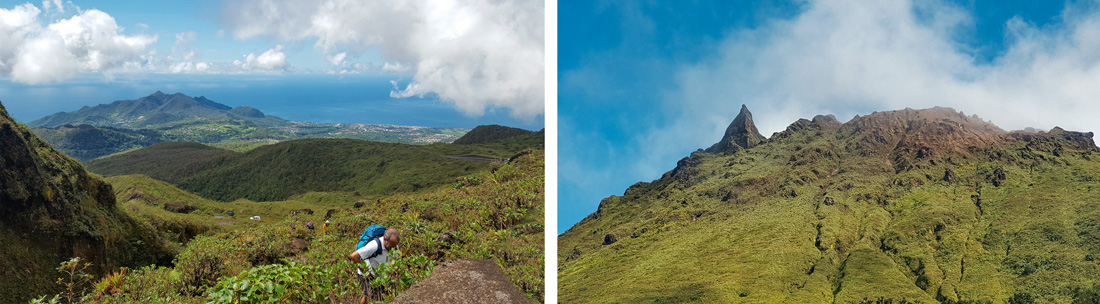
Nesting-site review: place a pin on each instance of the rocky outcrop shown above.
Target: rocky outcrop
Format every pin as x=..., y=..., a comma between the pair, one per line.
x=1079, y=140
x=741, y=134
x=464, y=282
x=938, y=130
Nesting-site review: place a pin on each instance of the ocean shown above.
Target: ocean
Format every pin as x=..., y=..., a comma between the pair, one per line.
x=315, y=98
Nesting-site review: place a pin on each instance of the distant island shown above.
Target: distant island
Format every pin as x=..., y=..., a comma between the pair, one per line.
x=105, y=129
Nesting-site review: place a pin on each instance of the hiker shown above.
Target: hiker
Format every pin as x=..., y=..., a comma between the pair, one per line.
x=374, y=252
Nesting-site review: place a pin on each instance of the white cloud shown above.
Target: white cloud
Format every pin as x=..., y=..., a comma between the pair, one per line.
x=272, y=60
x=90, y=41
x=396, y=67
x=55, y=4
x=187, y=67
x=476, y=54
x=336, y=59
x=853, y=57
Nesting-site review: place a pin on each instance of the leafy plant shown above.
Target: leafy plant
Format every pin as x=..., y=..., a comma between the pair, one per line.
x=74, y=278
x=400, y=273
x=112, y=283
x=279, y=283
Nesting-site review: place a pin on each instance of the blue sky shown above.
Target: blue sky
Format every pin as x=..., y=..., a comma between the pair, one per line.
x=473, y=55
x=642, y=84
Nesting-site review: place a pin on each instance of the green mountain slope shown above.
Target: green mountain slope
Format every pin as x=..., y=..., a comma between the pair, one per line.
x=85, y=142
x=490, y=133
x=923, y=206
x=51, y=210
x=158, y=107
x=278, y=171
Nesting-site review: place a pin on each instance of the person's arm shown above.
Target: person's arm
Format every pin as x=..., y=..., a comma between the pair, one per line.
x=354, y=257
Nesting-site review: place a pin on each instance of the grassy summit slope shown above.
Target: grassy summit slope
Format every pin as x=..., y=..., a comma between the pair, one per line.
x=926, y=206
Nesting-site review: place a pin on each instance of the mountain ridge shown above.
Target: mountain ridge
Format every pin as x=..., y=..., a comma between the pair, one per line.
x=921, y=206
x=132, y=112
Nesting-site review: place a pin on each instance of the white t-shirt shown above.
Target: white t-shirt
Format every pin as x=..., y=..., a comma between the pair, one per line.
x=369, y=249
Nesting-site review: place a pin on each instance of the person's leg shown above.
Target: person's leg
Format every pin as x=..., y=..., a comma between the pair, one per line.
x=366, y=289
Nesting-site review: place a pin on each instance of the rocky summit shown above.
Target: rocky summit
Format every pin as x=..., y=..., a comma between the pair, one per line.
x=906, y=206
x=741, y=134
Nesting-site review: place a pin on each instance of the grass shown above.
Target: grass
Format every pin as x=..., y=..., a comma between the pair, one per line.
x=804, y=219
x=280, y=171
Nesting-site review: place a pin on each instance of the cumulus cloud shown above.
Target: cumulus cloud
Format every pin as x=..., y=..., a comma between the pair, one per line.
x=90, y=41
x=272, y=60
x=854, y=57
x=476, y=54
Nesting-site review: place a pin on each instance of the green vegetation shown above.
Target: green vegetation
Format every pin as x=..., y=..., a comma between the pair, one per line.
x=813, y=216
x=85, y=142
x=495, y=214
x=148, y=241
x=490, y=133
x=279, y=171
x=51, y=210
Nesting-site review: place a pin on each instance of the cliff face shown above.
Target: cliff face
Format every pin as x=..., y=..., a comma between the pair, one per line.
x=51, y=209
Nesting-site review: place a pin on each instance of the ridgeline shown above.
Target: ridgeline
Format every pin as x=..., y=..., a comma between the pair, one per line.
x=909, y=206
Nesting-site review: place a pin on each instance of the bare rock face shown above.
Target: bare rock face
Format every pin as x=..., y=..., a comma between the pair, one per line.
x=465, y=282
x=937, y=130
x=741, y=134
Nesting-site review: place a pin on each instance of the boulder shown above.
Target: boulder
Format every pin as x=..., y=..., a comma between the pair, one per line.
x=472, y=281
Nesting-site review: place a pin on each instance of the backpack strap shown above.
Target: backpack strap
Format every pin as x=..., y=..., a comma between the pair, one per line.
x=379, y=250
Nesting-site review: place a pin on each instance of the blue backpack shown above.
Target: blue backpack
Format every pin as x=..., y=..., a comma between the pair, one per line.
x=373, y=232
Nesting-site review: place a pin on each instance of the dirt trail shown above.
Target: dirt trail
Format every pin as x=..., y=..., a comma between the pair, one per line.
x=464, y=282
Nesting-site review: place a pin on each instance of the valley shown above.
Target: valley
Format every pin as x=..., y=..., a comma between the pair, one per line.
x=185, y=222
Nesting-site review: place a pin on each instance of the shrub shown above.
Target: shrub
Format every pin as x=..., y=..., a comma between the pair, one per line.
x=290, y=283
x=1021, y=298
x=112, y=283
x=400, y=273
x=204, y=261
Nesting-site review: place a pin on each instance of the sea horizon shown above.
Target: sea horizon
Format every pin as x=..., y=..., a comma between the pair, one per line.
x=321, y=98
